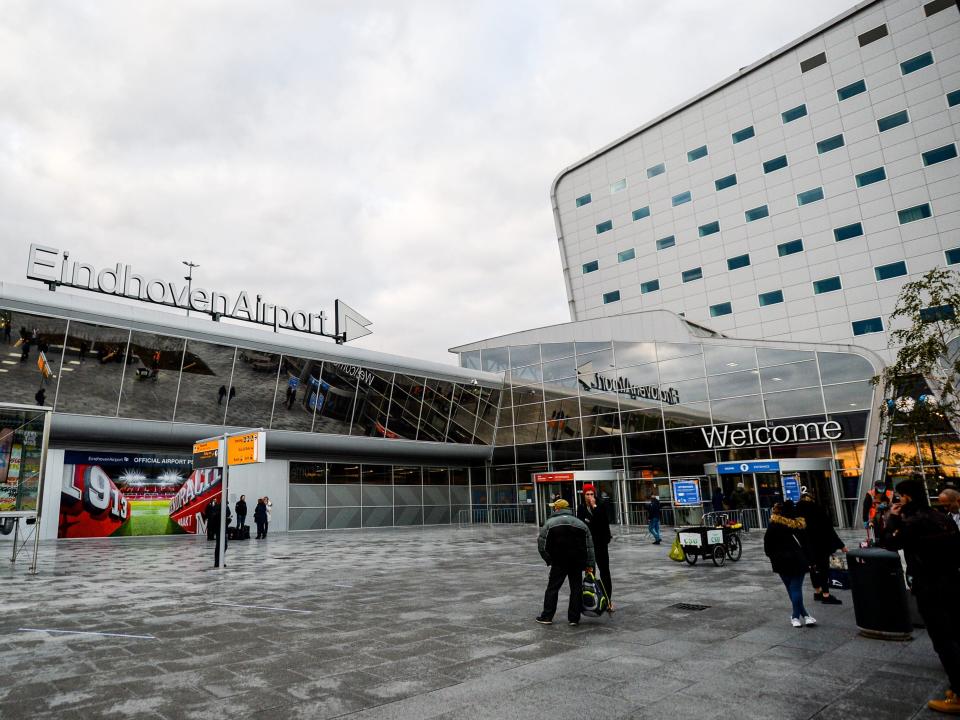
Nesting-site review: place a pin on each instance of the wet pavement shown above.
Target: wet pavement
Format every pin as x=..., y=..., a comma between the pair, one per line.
x=426, y=623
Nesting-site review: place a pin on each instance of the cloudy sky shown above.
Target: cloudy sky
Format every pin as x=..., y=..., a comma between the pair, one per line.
x=397, y=155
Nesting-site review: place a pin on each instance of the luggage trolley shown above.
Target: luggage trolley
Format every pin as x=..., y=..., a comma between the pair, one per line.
x=706, y=541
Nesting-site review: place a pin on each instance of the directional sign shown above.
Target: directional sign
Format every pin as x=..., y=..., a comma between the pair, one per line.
x=206, y=454
x=552, y=477
x=686, y=492
x=754, y=466
x=246, y=448
x=791, y=487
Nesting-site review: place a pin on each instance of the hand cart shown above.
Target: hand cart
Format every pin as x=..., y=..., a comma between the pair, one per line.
x=716, y=543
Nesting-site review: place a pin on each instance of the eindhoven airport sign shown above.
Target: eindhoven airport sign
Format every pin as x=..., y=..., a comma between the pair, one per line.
x=54, y=267
x=590, y=380
x=721, y=436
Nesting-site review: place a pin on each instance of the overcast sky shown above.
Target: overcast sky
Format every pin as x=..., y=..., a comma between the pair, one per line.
x=397, y=155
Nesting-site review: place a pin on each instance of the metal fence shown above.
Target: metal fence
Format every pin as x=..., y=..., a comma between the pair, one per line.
x=496, y=515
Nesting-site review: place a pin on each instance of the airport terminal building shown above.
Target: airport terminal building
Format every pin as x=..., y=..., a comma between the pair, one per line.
x=730, y=269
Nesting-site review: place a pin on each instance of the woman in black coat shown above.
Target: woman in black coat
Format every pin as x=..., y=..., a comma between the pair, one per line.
x=822, y=542
x=785, y=544
x=260, y=518
x=596, y=515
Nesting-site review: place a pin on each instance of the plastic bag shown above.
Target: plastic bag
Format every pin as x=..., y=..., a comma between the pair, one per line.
x=676, y=550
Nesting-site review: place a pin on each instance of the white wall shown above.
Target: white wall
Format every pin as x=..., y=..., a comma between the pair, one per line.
x=255, y=481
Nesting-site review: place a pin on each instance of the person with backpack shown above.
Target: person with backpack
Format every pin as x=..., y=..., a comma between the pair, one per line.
x=596, y=516
x=566, y=546
x=785, y=544
x=930, y=542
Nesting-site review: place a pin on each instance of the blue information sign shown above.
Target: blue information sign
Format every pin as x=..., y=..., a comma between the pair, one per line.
x=686, y=492
x=791, y=487
x=754, y=466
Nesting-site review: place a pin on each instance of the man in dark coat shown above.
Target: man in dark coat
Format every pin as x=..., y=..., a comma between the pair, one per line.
x=822, y=542
x=241, y=508
x=931, y=545
x=653, y=518
x=260, y=518
x=566, y=546
x=595, y=514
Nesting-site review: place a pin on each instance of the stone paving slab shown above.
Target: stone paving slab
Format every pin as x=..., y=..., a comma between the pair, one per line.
x=428, y=623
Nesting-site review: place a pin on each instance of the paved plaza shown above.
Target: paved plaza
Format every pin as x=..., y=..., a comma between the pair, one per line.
x=426, y=623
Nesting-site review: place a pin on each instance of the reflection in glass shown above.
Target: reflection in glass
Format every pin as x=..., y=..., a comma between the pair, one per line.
x=531, y=432
x=583, y=348
x=841, y=367
x=566, y=451
x=769, y=357
x=794, y=402
x=526, y=394
x=308, y=473
x=849, y=396
x=687, y=464
x=630, y=354
x=532, y=453
x=91, y=386
x=339, y=387
x=437, y=403
x=470, y=360
x=668, y=351
x=641, y=375
x=405, y=407
x=741, y=409
x=689, y=390
x=686, y=415
x=370, y=415
x=723, y=358
x=598, y=404
x=646, y=443
x=682, y=368
x=528, y=414
x=734, y=384
x=648, y=466
x=466, y=400
x=21, y=377
x=790, y=377
x=258, y=373
x=604, y=452
x=557, y=369
x=595, y=362
x=639, y=420
x=552, y=351
x=494, y=359
x=299, y=390
x=153, y=372
x=523, y=355
x=606, y=424
x=529, y=374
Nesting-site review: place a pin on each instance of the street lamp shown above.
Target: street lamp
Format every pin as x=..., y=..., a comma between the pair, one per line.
x=189, y=278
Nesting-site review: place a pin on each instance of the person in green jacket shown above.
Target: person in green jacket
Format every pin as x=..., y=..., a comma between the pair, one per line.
x=566, y=546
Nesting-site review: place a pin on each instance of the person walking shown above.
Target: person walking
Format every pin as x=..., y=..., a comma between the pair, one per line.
x=784, y=544
x=822, y=541
x=595, y=514
x=260, y=518
x=41, y=397
x=241, y=508
x=653, y=518
x=221, y=394
x=930, y=542
x=565, y=545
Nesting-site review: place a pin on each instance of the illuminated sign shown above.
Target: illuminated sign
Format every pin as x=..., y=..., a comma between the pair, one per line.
x=721, y=436
x=206, y=454
x=246, y=448
x=55, y=268
x=552, y=477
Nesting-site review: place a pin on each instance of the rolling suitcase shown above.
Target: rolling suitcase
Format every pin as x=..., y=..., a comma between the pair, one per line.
x=245, y=532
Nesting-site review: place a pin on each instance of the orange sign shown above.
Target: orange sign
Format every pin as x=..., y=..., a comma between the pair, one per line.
x=206, y=454
x=552, y=477
x=247, y=448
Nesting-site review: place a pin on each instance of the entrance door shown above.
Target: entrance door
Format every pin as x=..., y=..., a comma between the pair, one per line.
x=550, y=492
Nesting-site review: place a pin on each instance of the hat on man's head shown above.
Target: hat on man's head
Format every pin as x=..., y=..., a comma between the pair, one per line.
x=589, y=488
x=560, y=504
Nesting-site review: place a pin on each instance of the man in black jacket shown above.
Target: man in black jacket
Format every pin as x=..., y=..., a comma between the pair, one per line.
x=931, y=544
x=566, y=546
x=241, y=508
x=595, y=514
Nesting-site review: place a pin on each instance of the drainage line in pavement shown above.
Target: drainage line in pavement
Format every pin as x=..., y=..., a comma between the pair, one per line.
x=258, y=607
x=82, y=632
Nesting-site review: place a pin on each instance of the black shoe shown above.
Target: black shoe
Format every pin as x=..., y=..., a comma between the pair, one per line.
x=656, y=542
x=817, y=597
x=831, y=600
x=544, y=620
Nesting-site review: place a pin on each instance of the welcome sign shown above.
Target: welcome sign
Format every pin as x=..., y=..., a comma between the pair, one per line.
x=721, y=436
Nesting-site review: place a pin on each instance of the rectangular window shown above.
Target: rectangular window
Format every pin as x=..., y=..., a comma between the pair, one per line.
x=813, y=62
x=953, y=98
x=611, y=297
x=932, y=8
x=721, y=309
x=892, y=270
x=810, y=196
x=641, y=213
x=849, y=91
x=618, y=186
x=916, y=63
x=697, y=153
x=738, y=262
x=848, y=231
x=774, y=297
x=918, y=212
x=584, y=200
x=891, y=121
x=649, y=286
x=691, y=275
x=938, y=313
x=656, y=170
x=937, y=155
x=741, y=135
x=794, y=114
x=625, y=255
x=756, y=213
x=953, y=256
x=591, y=266
x=790, y=248
x=725, y=182
x=680, y=199
x=777, y=163
x=826, y=285
x=872, y=35
x=667, y=242
x=865, y=327
x=604, y=226
x=871, y=176
x=709, y=229
x=831, y=143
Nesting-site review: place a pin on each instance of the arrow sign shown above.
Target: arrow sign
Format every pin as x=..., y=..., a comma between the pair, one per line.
x=350, y=324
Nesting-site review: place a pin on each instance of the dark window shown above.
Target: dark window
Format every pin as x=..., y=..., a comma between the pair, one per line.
x=947, y=152
x=932, y=8
x=741, y=135
x=826, y=285
x=793, y=114
x=774, y=297
x=891, y=121
x=865, y=327
x=935, y=314
x=756, y=213
x=667, y=242
x=584, y=200
x=709, y=229
x=738, y=262
x=871, y=176
x=691, y=275
x=656, y=170
x=790, y=248
x=872, y=35
x=604, y=226
x=611, y=297
x=725, y=182
x=641, y=213
x=916, y=63
x=697, y=153
x=721, y=309
x=953, y=98
x=892, y=270
x=649, y=286
x=680, y=199
x=918, y=212
x=591, y=266
x=953, y=256
x=778, y=162
x=625, y=255
x=848, y=231
x=854, y=88
x=813, y=62
x=831, y=143
x=809, y=196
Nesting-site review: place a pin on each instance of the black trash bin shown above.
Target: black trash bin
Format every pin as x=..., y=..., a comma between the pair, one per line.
x=880, y=603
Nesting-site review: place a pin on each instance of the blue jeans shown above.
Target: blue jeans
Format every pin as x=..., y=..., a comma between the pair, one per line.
x=654, y=527
x=794, y=585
